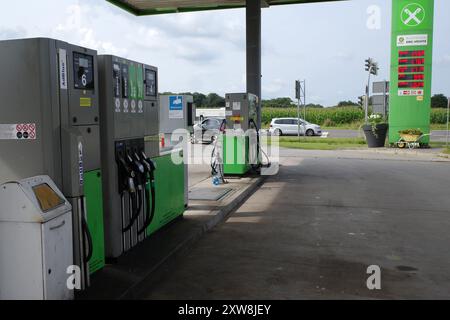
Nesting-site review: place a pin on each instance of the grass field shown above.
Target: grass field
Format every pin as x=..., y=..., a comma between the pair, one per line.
x=343, y=117
x=357, y=126
x=309, y=143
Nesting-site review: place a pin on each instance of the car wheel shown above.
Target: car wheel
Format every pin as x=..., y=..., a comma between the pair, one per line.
x=310, y=133
x=278, y=133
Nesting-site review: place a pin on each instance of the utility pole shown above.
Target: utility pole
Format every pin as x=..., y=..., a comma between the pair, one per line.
x=300, y=95
x=304, y=97
x=448, y=116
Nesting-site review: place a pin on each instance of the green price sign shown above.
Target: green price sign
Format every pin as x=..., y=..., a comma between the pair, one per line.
x=411, y=66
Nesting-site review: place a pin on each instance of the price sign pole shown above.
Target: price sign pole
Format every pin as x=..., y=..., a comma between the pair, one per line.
x=411, y=67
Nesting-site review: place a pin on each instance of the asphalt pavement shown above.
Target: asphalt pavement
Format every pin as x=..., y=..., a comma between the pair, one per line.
x=313, y=230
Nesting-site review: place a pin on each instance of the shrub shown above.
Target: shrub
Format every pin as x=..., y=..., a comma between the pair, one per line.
x=415, y=132
x=438, y=116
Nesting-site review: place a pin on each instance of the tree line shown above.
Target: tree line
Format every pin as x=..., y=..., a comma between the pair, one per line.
x=213, y=100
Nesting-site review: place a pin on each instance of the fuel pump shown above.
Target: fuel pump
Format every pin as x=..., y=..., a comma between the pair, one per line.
x=128, y=105
x=50, y=126
x=177, y=112
x=241, y=150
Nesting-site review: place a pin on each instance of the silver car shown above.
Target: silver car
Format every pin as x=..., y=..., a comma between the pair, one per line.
x=207, y=130
x=289, y=126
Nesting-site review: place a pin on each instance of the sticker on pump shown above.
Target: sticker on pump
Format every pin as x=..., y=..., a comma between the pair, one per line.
x=62, y=55
x=80, y=164
x=18, y=131
x=237, y=118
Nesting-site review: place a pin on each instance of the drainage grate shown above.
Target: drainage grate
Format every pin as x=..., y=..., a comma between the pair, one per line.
x=209, y=194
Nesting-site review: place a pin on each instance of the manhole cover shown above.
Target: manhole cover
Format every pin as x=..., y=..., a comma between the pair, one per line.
x=210, y=194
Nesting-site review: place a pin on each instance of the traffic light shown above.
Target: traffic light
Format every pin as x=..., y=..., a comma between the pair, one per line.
x=374, y=69
x=372, y=66
x=361, y=101
x=369, y=63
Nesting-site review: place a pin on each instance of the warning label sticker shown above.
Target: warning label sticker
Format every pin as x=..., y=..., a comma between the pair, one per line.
x=86, y=102
x=20, y=131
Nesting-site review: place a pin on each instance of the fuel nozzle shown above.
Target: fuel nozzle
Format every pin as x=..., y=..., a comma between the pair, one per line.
x=138, y=167
x=128, y=173
x=150, y=164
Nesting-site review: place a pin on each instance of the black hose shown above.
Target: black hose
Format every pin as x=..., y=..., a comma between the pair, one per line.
x=87, y=234
x=150, y=213
x=136, y=209
x=258, y=149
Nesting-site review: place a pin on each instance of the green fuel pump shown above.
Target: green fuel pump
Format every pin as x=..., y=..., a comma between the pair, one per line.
x=241, y=149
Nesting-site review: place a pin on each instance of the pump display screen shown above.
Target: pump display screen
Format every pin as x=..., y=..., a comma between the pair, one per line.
x=150, y=82
x=84, y=63
x=47, y=197
x=116, y=80
x=83, y=71
x=125, y=83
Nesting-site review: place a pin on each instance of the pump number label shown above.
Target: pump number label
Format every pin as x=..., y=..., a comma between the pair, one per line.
x=19, y=131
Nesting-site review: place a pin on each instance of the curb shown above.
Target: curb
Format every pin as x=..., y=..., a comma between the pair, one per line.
x=220, y=217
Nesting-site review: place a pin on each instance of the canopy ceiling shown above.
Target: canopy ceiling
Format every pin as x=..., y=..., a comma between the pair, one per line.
x=150, y=7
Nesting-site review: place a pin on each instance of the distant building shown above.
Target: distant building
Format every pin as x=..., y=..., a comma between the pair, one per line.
x=210, y=113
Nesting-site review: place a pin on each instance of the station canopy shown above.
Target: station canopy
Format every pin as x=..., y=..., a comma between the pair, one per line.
x=150, y=7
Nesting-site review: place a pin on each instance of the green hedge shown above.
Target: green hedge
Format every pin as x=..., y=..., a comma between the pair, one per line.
x=335, y=116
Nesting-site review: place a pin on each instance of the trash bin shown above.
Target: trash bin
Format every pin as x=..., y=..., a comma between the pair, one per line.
x=35, y=240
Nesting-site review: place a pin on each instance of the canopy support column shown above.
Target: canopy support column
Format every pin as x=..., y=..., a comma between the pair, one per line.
x=253, y=44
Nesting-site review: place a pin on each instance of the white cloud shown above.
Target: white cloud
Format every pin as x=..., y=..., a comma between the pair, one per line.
x=273, y=87
x=78, y=29
x=324, y=43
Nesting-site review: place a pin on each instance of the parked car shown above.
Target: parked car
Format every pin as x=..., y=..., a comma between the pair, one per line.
x=289, y=126
x=207, y=130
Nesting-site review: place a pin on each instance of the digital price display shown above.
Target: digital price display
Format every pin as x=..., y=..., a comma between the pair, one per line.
x=411, y=77
x=411, y=69
x=418, y=53
x=411, y=85
x=418, y=61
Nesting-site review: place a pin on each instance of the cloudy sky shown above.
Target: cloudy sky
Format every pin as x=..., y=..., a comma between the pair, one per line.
x=326, y=44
